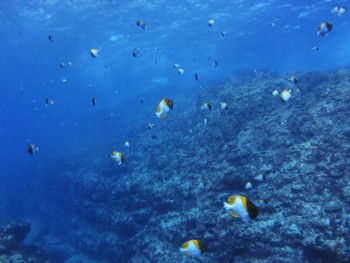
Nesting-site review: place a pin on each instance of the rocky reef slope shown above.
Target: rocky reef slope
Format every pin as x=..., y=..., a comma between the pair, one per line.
x=12, y=250
x=178, y=175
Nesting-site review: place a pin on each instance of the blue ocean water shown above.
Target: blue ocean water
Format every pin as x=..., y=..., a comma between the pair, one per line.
x=247, y=35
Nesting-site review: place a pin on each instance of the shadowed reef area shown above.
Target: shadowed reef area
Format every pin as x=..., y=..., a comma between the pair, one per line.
x=178, y=175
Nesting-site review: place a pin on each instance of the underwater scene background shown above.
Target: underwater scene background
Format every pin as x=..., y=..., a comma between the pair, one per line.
x=261, y=95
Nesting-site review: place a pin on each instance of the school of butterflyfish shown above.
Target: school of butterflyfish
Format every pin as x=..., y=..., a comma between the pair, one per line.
x=237, y=206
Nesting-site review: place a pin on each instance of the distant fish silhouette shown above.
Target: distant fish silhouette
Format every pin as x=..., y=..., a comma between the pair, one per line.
x=50, y=38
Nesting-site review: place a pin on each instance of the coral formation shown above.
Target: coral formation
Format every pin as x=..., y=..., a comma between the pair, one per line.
x=178, y=175
x=11, y=247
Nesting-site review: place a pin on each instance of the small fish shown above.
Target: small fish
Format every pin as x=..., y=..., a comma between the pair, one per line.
x=141, y=24
x=248, y=185
x=205, y=121
x=259, y=178
x=293, y=79
x=49, y=102
x=164, y=107
x=211, y=22
x=196, y=76
x=63, y=65
x=93, y=101
x=180, y=71
x=135, y=52
x=261, y=204
x=176, y=65
x=142, y=100
x=205, y=106
x=285, y=95
x=273, y=24
x=241, y=207
x=324, y=28
x=127, y=144
x=32, y=149
x=193, y=248
x=315, y=49
x=118, y=157
x=69, y=63
x=223, y=33
x=64, y=80
x=50, y=38
x=275, y=93
x=94, y=52
x=338, y=10
x=214, y=64
x=150, y=126
x=223, y=105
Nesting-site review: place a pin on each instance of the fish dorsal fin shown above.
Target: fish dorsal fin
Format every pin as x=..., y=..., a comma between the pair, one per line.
x=196, y=243
x=244, y=202
x=185, y=245
x=231, y=200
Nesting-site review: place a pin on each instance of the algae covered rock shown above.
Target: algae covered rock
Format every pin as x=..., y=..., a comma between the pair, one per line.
x=11, y=235
x=333, y=206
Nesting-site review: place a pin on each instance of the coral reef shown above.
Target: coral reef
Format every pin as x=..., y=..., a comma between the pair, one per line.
x=178, y=175
x=11, y=247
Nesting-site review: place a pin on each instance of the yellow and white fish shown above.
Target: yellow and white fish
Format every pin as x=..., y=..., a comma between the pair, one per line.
x=241, y=207
x=324, y=28
x=94, y=52
x=285, y=95
x=275, y=93
x=193, y=248
x=118, y=157
x=180, y=71
x=293, y=79
x=141, y=24
x=164, y=107
x=248, y=185
x=259, y=178
x=33, y=149
x=211, y=22
x=206, y=106
x=49, y=101
x=223, y=105
x=338, y=10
